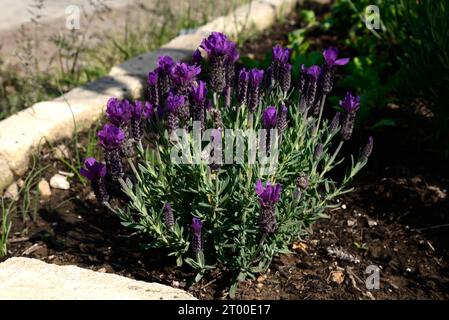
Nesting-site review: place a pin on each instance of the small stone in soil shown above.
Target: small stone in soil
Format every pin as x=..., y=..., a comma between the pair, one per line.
x=351, y=222
x=44, y=189
x=61, y=152
x=12, y=192
x=262, y=278
x=337, y=277
x=59, y=182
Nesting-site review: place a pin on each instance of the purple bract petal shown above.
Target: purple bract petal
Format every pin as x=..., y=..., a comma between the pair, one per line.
x=110, y=136
x=350, y=102
x=93, y=169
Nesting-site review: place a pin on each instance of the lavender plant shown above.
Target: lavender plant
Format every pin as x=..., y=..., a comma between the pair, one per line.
x=232, y=211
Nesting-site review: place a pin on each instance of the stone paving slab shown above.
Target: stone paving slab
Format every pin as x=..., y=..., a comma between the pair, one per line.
x=32, y=279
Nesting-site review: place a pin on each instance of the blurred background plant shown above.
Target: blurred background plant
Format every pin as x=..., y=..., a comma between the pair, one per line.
x=410, y=53
x=82, y=55
x=405, y=63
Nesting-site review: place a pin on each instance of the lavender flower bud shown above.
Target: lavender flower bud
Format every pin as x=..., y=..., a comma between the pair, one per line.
x=168, y=216
x=302, y=182
x=255, y=79
x=127, y=145
x=302, y=81
x=222, y=55
x=285, y=77
x=327, y=80
x=367, y=150
x=267, y=220
x=242, y=88
x=96, y=172
x=335, y=122
x=217, y=119
x=282, y=119
x=318, y=152
x=173, y=105
x=350, y=103
x=217, y=74
x=297, y=193
x=268, y=197
x=100, y=191
x=347, y=126
x=184, y=113
x=153, y=88
x=114, y=164
x=198, y=115
x=197, y=244
x=172, y=122
x=331, y=62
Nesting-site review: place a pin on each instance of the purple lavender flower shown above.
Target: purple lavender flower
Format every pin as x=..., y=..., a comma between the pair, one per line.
x=350, y=104
x=269, y=118
x=255, y=79
x=164, y=68
x=110, y=136
x=281, y=124
x=222, y=55
x=280, y=72
x=139, y=111
x=330, y=56
x=165, y=64
x=285, y=77
x=183, y=75
x=242, y=86
x=310, y=86
x=281, y=55
x=173, y=105
x=148, y=110
x=118, y=112
x=159, y=80
x=268, y=197
x=331, y=62
x=168, y=216
x=367, y=150
x=197, y=244
x=198, y=97
x=197, y=57
x=153, y=87
x=199, y=93
x=96, y=171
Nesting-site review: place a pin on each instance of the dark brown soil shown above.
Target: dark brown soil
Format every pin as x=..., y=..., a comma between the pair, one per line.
x=397, y=219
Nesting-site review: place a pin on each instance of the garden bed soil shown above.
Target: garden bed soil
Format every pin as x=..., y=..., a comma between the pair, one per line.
x=396, y=219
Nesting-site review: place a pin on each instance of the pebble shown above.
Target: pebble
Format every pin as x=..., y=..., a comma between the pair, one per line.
x=337, y=277
x=175, y=284
x=261, y=278
x=343, y=206
x=20, y=183
x=260, y=285
x=61, y=152
x=59, y=182
x=351, y=222
x=44, y=189
x=12, y=192
x=372, y=223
